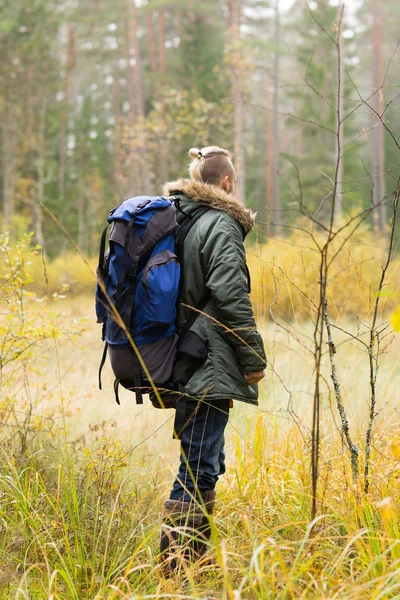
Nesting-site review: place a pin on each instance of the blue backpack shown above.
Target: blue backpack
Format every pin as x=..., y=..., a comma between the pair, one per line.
x=138, y=282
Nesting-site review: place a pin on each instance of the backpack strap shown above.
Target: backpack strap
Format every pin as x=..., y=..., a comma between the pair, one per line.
x=185, y=223
x=129, y=271
x=125, y=267
x=130, y=297
x=180, y=418
x=100, y=274
x=137, y=380
x=102, y=249
x=102, y=363
x=116, y=386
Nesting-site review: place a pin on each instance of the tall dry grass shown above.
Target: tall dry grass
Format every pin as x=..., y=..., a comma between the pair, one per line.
x=284, y=275
x=82, y=480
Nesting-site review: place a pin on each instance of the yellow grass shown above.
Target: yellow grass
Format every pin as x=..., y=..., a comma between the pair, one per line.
x=285, y=274
x=82, y=480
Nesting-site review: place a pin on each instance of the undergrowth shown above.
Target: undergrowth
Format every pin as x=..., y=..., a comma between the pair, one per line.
x=80, y=514
x=284, y=275
x=75, y=526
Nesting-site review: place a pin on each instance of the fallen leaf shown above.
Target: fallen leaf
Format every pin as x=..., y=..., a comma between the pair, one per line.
x=395, y=319
x=396, y=448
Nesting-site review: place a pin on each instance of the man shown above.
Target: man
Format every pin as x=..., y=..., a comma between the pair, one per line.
x=214, y=268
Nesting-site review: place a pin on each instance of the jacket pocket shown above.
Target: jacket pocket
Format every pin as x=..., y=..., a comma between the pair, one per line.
x=192, y=345
x=192, y=351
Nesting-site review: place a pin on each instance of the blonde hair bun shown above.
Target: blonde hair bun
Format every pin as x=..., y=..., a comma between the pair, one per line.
x=194, y=153
x=210, y=164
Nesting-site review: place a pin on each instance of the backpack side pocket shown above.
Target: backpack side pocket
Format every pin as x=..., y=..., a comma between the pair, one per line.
x=156, y=298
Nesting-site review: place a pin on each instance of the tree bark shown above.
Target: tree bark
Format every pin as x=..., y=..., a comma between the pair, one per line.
x=133, y=171
x=269, y=160
x=239, y=142
x=340, y=100
x=143, y=167
x=190, y=14
x=129, y=69
x=151, y=42
x=37, y=208
x=135, y=50
x=118, y=178
x=276, y=201
x=238, y=122
x=9, y=143
x=163, y=166
x=162, y=35
x=230, y=7
x=70, y=64
x=81, y=201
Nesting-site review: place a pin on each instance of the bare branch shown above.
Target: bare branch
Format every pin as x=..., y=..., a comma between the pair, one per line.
x=374, y=342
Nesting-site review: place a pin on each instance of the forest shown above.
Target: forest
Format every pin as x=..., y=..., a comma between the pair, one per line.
x=100, y=101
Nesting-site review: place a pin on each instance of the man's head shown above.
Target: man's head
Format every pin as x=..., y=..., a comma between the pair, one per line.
x=213, y=165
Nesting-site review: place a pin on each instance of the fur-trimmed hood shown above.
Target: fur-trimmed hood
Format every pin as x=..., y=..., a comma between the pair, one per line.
x=215, y=197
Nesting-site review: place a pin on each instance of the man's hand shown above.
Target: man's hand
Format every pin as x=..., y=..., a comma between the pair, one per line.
x=254, y=377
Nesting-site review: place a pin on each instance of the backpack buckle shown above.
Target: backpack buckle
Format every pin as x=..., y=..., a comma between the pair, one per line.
x=132, y=270
x=142, y=204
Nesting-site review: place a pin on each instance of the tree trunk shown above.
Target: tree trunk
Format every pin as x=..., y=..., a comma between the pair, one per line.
x=81, y=201
x=163, y=167
x=9, y=139
x=135, y=50
x=37, y=208
x=276, y=201
x=129, y=51
x=70, y=64
x=239, y=141
x=190, y=14
x=162, y=57
x=377, y=134
x=118, y=178
x=230, y=7
x=143, y=167
x=133, y=172
x=151, y=43
x=340, y=107
x=29, y=105
x=269, y=161
x=238, y=122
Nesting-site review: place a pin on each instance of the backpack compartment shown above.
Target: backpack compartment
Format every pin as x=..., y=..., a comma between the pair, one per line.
x=141, y=274
x=118, y=292
x=156, y=298
x=153, y=320
x=159, y=358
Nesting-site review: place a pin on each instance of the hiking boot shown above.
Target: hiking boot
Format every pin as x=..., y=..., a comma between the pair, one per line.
x=185, y=532
x=201, y=541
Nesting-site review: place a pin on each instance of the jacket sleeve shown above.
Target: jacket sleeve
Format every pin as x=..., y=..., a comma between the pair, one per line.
x=224, y=263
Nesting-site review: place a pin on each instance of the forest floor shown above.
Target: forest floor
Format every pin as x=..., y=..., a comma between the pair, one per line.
x=83, y=479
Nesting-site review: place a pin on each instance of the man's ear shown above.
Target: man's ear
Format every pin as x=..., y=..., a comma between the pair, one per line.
x=226, y=184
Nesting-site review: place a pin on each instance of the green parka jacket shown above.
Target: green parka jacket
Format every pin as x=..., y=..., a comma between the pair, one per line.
x=214, y=256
